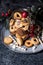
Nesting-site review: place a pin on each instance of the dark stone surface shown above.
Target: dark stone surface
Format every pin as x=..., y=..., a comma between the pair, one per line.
x=8, y=57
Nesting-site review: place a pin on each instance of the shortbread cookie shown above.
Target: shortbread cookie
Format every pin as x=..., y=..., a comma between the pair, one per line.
x=8, y=40
x=19, y=41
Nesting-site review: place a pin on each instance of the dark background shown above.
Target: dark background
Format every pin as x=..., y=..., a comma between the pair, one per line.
x=8, y=57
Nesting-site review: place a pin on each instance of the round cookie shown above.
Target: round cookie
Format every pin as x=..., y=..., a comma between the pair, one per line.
x=11, y=22
x=25, y=25
x=13, y=29
x=28, y=43
x=17, y=15
x=8, y=40
x=34, y=40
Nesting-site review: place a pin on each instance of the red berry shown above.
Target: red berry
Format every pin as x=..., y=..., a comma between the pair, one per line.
x=6, y=14
x=24, y=14
x=2, y=13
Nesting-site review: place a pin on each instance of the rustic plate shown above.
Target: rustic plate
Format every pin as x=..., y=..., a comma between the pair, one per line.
x=13, y=46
